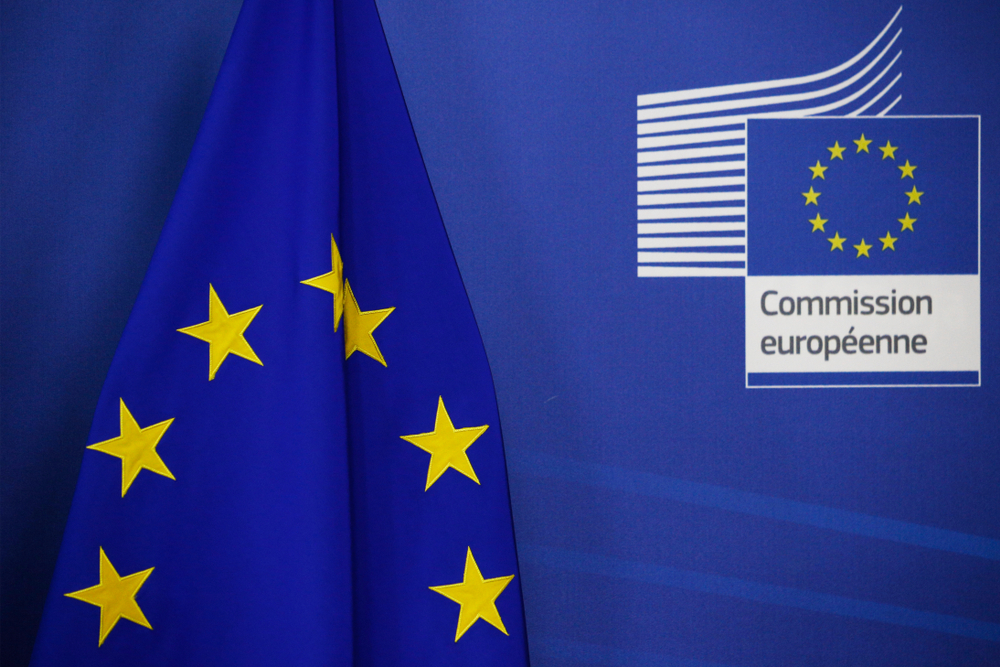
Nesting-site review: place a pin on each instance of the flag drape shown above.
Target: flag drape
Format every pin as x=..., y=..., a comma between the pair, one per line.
x=296, y=457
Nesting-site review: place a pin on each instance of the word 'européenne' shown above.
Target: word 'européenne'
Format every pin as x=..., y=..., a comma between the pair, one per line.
x=849, y=344
x=771, y=303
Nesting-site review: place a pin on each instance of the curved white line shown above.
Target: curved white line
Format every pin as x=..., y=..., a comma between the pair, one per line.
x=709, y=107
x=886, y=110
x=677, y=125
x=815, y=111
x=715, y=91
x=861, y=110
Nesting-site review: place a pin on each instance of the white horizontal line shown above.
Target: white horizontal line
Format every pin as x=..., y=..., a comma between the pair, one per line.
x=663, y=257
x=686, y=227
x=693, y=124
x=690, y=198
x=690, y=153
x=690, y=168
x=869, y=119
x=682, y=213
x=746, y=103
x=647, y=242
x=691, y=138
x=898, y=117
x=689, y=272
x=714, y=91
x=690, y=183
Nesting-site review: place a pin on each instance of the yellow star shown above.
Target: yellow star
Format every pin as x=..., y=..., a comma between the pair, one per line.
x=115, y=596
x=862, y=143
x=477, y=597
x=888, y=242
x=913, y=195
x=136, y=447
x=812, y=197
x=888, y=150
x=818, y=170
x=907, y=169
x=332, y=282
x=446, y=445
x=907, y=222
x=224, y=333
x=863, y=248
x=359, y=325
x=818, y=223
x=836, y=151
x=836, y=243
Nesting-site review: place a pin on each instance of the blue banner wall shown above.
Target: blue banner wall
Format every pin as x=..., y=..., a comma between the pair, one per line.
x=665, y=514
x=101, y=102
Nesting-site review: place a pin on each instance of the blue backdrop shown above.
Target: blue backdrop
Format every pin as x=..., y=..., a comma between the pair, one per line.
x=664, y=513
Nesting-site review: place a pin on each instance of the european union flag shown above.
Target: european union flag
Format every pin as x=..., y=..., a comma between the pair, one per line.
x=863, y=196
x=296, y=458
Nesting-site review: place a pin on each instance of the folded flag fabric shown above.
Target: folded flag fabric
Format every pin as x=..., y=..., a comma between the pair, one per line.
x=296, y=457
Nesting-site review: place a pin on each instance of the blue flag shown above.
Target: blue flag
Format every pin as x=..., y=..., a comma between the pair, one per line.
x=296, y=457
x=863, y=196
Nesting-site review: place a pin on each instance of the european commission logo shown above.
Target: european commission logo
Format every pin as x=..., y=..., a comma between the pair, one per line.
x=858, y=234
x=862, y=251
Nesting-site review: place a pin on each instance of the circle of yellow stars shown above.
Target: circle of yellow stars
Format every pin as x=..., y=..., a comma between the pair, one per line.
x=224, y=332
x=837, y=153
